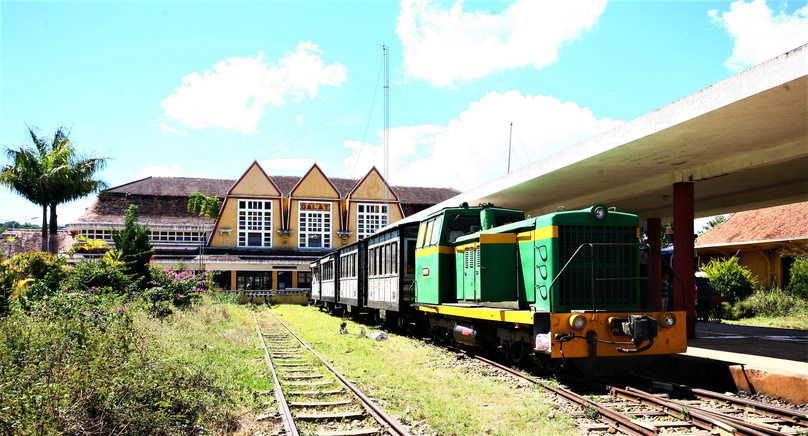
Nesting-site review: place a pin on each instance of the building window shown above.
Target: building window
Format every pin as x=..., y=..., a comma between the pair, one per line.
x=315, y=225
x=254, y=223
x=253, y=280
x=370, y=218
x=304, y=279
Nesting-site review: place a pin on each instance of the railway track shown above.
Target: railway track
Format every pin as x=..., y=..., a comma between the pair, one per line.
x=313, y=398
x=694, y=412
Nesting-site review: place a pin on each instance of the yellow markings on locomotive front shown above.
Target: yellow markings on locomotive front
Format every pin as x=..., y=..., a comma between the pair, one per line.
x=486, y=313
x=438, y=249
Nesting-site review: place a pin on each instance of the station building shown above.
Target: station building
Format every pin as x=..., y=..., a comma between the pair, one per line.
x=269, y=229
x=766, y=241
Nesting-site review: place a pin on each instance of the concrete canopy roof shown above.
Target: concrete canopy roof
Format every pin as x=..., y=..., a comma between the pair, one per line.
x=743, y=142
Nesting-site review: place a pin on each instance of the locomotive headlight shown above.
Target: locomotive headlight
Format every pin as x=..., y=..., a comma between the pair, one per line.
x=578, y=322
x=600, y=212
x=667, y=320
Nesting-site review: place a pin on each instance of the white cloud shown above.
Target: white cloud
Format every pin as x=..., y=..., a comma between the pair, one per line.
x=173, y=170
x=759, y=34
x=473, y=148
x=165, y=128
x=445, y=46
x=235, y=94
x=405, y=144
x=299, y=119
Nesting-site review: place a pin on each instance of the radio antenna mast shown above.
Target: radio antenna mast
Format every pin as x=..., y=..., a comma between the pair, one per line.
x=509, y=148
x=386, y=53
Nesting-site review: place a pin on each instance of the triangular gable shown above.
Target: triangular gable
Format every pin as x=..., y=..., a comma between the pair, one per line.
x=255, y=181
x=315, y=184
x=372, y=187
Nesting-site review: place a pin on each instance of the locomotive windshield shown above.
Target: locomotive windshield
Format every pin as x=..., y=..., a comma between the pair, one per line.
x=460, y=225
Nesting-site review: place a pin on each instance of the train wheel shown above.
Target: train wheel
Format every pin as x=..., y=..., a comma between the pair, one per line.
x=517, y=352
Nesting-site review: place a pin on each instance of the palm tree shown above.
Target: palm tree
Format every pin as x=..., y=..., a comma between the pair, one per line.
x=50, y=175
x=24, y=175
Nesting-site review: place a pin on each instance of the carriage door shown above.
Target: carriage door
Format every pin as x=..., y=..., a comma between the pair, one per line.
x=470, y=273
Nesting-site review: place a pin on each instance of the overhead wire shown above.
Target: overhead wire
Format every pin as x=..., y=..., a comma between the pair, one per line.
x=370, y=115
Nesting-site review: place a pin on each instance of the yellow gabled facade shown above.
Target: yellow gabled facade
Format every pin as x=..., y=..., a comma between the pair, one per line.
x=315, y=215
x=265, y=222
x=252, y=211
x=368, y=204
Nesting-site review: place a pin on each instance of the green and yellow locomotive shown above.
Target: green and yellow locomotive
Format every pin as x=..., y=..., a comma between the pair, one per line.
x=561, y=286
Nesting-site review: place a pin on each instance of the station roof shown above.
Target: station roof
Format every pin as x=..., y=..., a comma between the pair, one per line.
x=743, y=142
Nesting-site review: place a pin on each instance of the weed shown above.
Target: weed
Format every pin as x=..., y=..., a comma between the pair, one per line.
x=590, y=412
x=684, y=414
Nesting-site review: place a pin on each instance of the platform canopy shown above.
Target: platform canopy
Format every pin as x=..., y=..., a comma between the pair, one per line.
x=743, y=142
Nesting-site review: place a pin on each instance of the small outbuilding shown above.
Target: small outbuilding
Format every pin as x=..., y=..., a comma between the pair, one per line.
x=765, y=240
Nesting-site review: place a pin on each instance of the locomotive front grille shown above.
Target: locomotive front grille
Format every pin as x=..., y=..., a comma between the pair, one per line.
x=610, y=262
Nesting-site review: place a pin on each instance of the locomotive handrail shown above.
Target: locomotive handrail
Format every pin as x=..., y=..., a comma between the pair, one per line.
x=592, y=246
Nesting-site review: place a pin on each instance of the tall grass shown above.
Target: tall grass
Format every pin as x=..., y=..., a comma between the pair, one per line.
x=770, y=308
x=79, y=363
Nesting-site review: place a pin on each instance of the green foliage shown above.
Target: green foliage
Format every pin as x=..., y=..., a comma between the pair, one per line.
x=205, y=206
x=49, y=174
x=177, y=288
x=81, y=363
x=713, y=223
x=730, y=278
x=764, y=303
x=99, y=274
x=798, y=285
x=133, y=246
x=33, y=276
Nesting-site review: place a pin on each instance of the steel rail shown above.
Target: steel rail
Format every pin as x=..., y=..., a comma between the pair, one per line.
x=286, y=413
x=733, y=425
x=394, y=425
x=614, y=419
x=790, y=415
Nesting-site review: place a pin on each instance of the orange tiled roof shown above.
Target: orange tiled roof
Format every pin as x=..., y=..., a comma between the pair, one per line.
x=779, y=222
x=185, y=186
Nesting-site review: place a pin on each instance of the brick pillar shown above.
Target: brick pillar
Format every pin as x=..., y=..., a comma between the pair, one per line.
x=683, y=259
x=655, y=261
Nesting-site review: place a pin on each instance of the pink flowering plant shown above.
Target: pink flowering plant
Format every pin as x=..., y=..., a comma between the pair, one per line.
x=180, y=287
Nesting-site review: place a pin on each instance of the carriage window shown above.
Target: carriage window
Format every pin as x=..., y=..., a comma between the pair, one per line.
x=464, y=224
x=421, y=235
x=435, y=236
x=394, y=247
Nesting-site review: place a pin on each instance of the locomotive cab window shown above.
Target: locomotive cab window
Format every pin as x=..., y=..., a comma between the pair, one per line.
x=462, y=225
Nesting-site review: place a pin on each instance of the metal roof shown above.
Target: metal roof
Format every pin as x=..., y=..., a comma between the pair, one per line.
x=743, y=142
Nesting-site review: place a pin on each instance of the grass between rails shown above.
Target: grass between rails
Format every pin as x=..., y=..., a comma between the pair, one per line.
x=422, y=385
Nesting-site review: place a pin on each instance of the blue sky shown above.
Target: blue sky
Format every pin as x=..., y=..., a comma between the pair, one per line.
x=201, y=89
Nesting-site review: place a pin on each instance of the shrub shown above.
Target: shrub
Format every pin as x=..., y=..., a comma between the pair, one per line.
x=80, y=364
x=33, y=275
x=176, y=287
x=798, y=285
x=101, y=275
x=731, y=279
x=133, y=246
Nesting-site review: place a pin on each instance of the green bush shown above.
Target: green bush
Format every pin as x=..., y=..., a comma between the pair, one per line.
x=798, y=285
x=100, y=275
x=731, y=279
x=80, y=363
x=133, y=246
x=179, y=288
x=33, y=276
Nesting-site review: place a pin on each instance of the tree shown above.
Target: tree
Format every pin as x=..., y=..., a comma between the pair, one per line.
x=718, y=219
x=202, y=205
x=730, y=278
x=133, y=247
x=50, y=174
